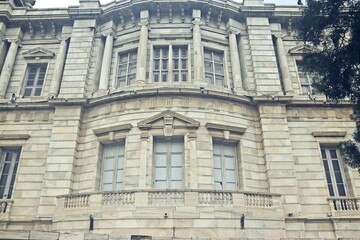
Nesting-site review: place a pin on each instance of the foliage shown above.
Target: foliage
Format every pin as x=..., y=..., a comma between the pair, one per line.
x=332, y=29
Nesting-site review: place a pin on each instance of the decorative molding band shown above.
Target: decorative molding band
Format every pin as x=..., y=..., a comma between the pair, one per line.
x=118, y=128
x=220, y=127
x=14, y=136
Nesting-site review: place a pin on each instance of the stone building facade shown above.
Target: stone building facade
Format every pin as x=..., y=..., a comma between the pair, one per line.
x=181, y=118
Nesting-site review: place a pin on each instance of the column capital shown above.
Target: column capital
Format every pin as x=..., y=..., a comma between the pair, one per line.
x=144, y=18
x=196, y=14
x=233, y=30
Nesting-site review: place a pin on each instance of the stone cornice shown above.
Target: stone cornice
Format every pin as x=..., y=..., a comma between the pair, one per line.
x=329, y=133
x=118, y=128
x=14, y=136
x=221, y=127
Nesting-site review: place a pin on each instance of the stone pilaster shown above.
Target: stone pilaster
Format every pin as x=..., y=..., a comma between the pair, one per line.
x=143, y=160
x=78, y=61
x=267, y=79
x=278, y=156
x=107, y=57
x=142, y=49
x=284, y=68
x=15, y=36
x=234, y=57
x=60, y=162
x=59, y=68
x=198, y=51
x=243, y=68
x=3, y=45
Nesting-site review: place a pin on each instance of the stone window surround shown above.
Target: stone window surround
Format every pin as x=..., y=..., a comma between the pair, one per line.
x=229, y=134
x=330, y=139
x=13, y=141
x=35, y=57
x=109, y=135
x=164, y=43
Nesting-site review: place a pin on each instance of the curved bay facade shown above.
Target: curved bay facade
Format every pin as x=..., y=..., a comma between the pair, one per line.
x=183, y=119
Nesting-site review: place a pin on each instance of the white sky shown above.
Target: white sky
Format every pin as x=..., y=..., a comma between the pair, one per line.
x=65, y=3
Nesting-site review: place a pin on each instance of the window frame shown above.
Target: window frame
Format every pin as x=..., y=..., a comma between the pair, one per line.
x=11, y=179
x=168, y=166
x=34, y=87
x=334, y=182
x=213, y=63
x=170, y=68
x=235, y=145
x=120, y=142
x=308, y=84
x=119, y=53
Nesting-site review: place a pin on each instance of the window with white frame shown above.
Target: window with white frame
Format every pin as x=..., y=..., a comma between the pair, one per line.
x=9, y=163
x=305, y=78
x=113, y=166
x=127, y=68
x=214, y=67
x=225, y=173
x=174, y=71
x=168, y=163
x=34, y=81
x=333, y=171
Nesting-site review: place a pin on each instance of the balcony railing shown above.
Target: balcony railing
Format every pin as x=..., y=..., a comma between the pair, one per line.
x=344, y=204
x=170, y=198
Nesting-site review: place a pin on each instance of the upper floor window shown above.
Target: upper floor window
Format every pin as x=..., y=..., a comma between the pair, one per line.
x=334, y=171
x=127, y=69
x=214, y=67
x=225, y=173
x=168, y=163
x=170, y=64
x=305, y=78
x=8, y=167
x=113, y=166
x=34, y=81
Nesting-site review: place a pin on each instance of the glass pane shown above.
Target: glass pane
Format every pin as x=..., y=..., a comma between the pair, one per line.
x=338, y=177
x=160, y=160
x=108, y=176
x=119, y=176
x=156, y=64
x=133, y=56
x=157, y=52
x=176, y=173
x=160, y=174
x=3, y=180
x=336, y=165
x=184, y=64
x=229, y=163
x=231, y=186
x=217, y=162
x=6, y=168
x=176, y=184
x=164, y=77
x=29, y=83
x=331, y=190
x=160, y=147
x=230, y=176
x=328, y=178
x=341, y=189
x=333, y=154
x=219, y=69
x=160, y=184
x=323, y=154
x=27, y=92
x=219, y=81
x=326, y=166
x=177, y=147
x=109, y=164
x=176, y=64
x=176, y=77
x=184, y=77
x=37, y=92
x=107, y=187
x=218, y=57
x=164, y=64
x=217, y=175
x=2, y=190
x=176, y=160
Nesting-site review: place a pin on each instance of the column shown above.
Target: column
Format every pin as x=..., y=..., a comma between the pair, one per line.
x=3, y=47
x=243, y=68
x=143, y=160
x=198, y=51
x=284, y=68
x=106, y=63
x=235, y=60
x=8, y=66
x=142, y=49
x=59, y=68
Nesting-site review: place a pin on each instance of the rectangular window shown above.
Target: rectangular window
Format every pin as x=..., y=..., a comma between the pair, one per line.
x=9, y=163
x=161, y=62
x=333, y=171
x=113, y=167
x=167, y=59
x=214, y=67
x=305, y=78
x=127, y=69
x=35, y=80
x=180, y=64
x=168, y=163
x=225, y=174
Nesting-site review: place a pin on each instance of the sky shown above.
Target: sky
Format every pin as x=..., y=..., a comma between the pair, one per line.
x=65, y=3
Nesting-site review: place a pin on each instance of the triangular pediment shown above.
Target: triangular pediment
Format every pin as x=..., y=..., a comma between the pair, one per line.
x=168, y=117
x=38, y=53
x=300, y=49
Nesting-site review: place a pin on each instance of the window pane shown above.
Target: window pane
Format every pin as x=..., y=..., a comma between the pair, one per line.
x=176, y=184
x=176, y=173
x=160, y=160
x=176, y=160
x=333, y=154
x=108, y=176
x=341, y=189
x=160, y=173
x=331, y=190
x=37, y=92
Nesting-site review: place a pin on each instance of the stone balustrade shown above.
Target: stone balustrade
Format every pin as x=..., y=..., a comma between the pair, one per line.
x=170, y=198
x=344, y=204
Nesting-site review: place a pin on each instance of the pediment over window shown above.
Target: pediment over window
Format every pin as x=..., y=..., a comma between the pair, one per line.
x=168, y=120
x=299, y=50
x=37, y=53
